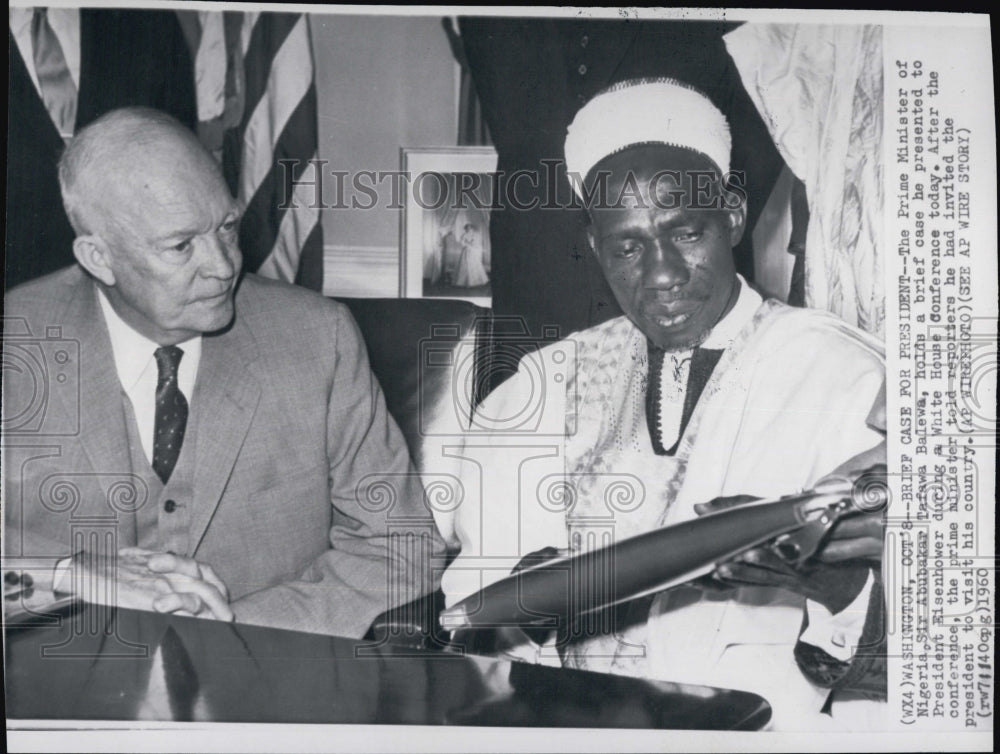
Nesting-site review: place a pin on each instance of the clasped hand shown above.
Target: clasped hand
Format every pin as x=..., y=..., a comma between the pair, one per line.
x=160, y=581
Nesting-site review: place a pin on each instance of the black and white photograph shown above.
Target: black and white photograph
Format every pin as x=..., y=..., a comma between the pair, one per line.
x=446, y=221
x=498, y=379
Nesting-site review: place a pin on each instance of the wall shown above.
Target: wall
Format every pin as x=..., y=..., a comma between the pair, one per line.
x=382, y=83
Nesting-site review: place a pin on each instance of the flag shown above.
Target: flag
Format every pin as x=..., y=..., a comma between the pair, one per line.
x=257, y=113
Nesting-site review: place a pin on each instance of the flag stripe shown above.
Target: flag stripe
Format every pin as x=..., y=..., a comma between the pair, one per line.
x=263, y=214
x=310, y=272
x=210, y=66
x=296, y=226
x=272, y=86
x=249, y=24
x=289, y=79
x=266, y=38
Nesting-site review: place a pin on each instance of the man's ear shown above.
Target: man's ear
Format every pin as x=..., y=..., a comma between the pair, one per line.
x=737, y=219
x=94, y=256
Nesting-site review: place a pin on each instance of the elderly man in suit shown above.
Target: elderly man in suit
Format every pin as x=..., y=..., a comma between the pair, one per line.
x=204, y=441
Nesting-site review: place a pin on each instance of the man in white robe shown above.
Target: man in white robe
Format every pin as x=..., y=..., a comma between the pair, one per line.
x=701, y=391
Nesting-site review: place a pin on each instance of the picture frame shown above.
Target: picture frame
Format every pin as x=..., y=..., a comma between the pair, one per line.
x=444, y=239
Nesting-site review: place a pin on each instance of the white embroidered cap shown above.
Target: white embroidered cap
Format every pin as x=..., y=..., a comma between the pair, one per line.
x=645, y=111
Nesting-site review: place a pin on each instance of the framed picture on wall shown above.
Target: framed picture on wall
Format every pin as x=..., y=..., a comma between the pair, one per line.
x=445, y=229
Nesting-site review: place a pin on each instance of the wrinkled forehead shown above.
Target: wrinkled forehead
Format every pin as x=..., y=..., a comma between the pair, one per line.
x=167, y=176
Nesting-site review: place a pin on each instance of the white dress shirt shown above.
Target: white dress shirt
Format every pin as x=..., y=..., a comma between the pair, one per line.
x=138, y=374
x=65, y=23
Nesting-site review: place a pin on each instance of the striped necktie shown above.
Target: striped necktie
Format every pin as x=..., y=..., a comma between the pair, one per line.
x=54, y=80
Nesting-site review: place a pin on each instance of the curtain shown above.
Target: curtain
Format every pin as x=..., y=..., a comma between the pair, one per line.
x=819, y=90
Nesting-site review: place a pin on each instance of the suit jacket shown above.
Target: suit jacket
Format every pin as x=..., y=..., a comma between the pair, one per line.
x=303, y=500
x=127, y=57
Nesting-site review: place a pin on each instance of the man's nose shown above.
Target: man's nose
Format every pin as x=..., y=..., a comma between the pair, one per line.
x=220, y=259
x=664, y=267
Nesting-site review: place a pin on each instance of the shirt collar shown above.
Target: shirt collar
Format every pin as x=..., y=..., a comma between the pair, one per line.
x=132, y=350
x=727, y=328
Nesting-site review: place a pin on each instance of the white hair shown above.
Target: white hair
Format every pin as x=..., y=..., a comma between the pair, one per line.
x=112, y=142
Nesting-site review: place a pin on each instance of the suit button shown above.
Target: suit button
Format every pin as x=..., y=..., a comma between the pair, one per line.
x=582, y=70
x=170, y=506
x=584, y=40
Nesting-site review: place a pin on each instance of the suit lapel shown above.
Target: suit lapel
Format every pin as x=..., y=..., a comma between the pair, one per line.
x=99, y=400
x=226, y=399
